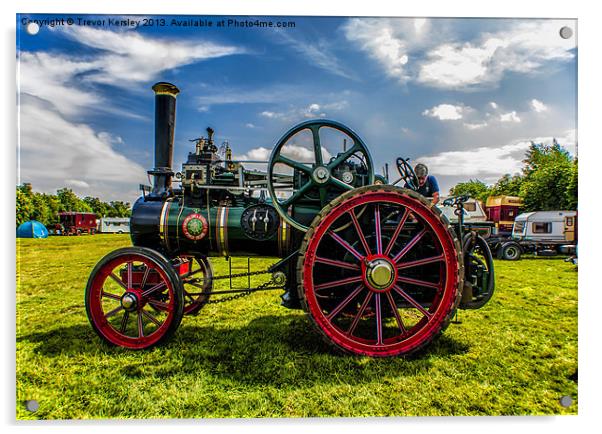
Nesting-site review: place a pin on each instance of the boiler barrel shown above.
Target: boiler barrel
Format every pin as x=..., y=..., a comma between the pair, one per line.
x=224, y=231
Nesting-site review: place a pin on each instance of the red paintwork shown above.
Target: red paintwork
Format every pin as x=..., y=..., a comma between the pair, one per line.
x=406, y=340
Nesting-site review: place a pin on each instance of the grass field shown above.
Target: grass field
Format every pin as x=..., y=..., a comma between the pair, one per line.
x=253, y=358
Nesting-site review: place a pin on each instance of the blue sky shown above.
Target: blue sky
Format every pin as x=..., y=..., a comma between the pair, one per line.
x=464, y=96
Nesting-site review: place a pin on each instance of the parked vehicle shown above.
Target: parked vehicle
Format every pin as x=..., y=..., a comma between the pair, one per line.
x=544, y=233
x=76, y=223
x=114, y=225
x=502, y=210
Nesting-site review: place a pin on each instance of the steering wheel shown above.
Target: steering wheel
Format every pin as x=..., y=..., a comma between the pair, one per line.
x=320, y=173
x=406, y=171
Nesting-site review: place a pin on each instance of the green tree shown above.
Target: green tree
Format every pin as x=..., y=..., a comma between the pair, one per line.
x=548, y=172
x=41, y=212
x=572, y=187
x=97, y=206
x=70, y=202
x=507, y=186
x=119, y=209
x=474, y=188
x=24, y=207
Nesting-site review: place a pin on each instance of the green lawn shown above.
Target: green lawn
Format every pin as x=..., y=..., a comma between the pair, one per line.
x=253, y=358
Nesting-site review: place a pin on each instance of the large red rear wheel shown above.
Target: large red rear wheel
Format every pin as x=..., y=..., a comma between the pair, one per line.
x=134, y=298
x=380, y=272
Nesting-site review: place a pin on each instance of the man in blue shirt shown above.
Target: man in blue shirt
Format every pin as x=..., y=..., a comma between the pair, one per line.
x=427, y=184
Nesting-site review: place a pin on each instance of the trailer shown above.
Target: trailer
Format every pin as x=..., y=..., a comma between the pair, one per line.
x=502, y=210
x=114, y=225
x=543, y=233
x=76, y=223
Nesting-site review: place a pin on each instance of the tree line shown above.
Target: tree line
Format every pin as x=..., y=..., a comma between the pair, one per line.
x=46, y=207
x=548, y=181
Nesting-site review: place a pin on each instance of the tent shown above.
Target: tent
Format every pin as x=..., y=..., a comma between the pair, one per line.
x=32, y=229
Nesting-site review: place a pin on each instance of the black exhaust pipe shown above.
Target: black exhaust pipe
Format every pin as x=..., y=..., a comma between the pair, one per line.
x=165, y=123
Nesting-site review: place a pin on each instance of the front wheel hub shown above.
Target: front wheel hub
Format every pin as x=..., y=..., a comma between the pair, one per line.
x=129, y=301
x=380, y=274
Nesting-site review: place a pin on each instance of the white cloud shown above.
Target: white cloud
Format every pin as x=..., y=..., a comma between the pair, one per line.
x=319, y=54
x=293, y=151
x=446, y=112
x=131, y=57
x=490, y=163
x=386, y=41
x=509, y=117
x=493, y=105
x=475, y=126
x=313, y=110
x=77, y=183
x=538, y=106
x=524, y=48
x=55, y=152
x=250, y=125
x=271, y=115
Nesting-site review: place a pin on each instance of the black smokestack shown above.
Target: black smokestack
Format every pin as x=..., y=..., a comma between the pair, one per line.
x=165, y=123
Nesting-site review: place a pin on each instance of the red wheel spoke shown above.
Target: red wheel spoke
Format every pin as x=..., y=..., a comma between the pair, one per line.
x=129, y=274
x=346, y=245
x=159, y=304
x=144, y=276
x=118, y=280
x=113, y=312
x=395, y=312
x=379, y=241
x=360, y=313
x=398, y=229
x=418, y=282
x=379, y=320
x=152, y=318
x=335, y=263
x=344, y=303
x=111, y=296
x=338, y=282
x=124, y=321
x=157, y=287
x=417, y=262
x=358, y=229
x=412, y=301
x=408, y=246
x=140, y=325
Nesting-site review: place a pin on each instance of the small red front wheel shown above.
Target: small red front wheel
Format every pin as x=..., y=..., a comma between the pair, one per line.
x=134, y=298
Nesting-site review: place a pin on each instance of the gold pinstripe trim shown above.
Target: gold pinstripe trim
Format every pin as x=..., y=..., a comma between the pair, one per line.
x=221, y=230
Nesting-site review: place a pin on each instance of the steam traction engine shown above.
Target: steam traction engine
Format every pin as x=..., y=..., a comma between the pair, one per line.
x=378, y=270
